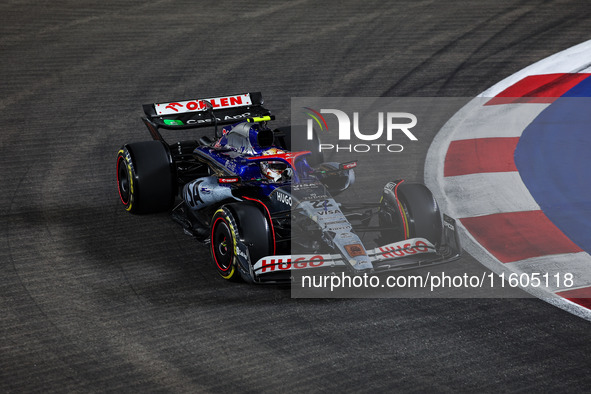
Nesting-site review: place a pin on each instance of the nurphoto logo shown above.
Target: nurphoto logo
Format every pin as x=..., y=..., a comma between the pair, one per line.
x=395, y=123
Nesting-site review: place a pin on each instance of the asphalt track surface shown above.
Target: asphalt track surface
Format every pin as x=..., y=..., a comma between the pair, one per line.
x=93, y=299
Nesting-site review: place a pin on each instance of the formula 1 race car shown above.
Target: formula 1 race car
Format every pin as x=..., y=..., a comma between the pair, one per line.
x=267, y=211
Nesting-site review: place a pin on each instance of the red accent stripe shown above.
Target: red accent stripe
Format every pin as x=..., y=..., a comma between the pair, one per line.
x=516, y=236
x=580, y=296
x=289, y=157
x=320, y=116
x=543, y=88
x=480, y=155
x=270, y=221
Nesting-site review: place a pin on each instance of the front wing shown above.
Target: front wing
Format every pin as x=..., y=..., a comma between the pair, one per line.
x=407, y=254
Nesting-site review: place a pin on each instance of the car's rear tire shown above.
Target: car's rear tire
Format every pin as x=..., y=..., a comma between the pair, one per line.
x=409, y=210
x=145, y=178
x=239, y=221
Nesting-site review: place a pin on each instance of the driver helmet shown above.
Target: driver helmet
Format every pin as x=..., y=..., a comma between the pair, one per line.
x=275, y=170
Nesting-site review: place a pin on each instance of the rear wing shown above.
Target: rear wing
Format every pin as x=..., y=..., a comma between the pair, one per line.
x=203, y=112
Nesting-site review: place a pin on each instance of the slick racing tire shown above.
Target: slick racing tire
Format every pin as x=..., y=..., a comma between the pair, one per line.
x=293, y=138
x=145, y=177
x=409, y=210
x=239, y=228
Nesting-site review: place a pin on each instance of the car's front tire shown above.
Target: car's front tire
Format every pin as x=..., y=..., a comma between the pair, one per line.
x=223, y=244
x=243, y=221
x=409, y=210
